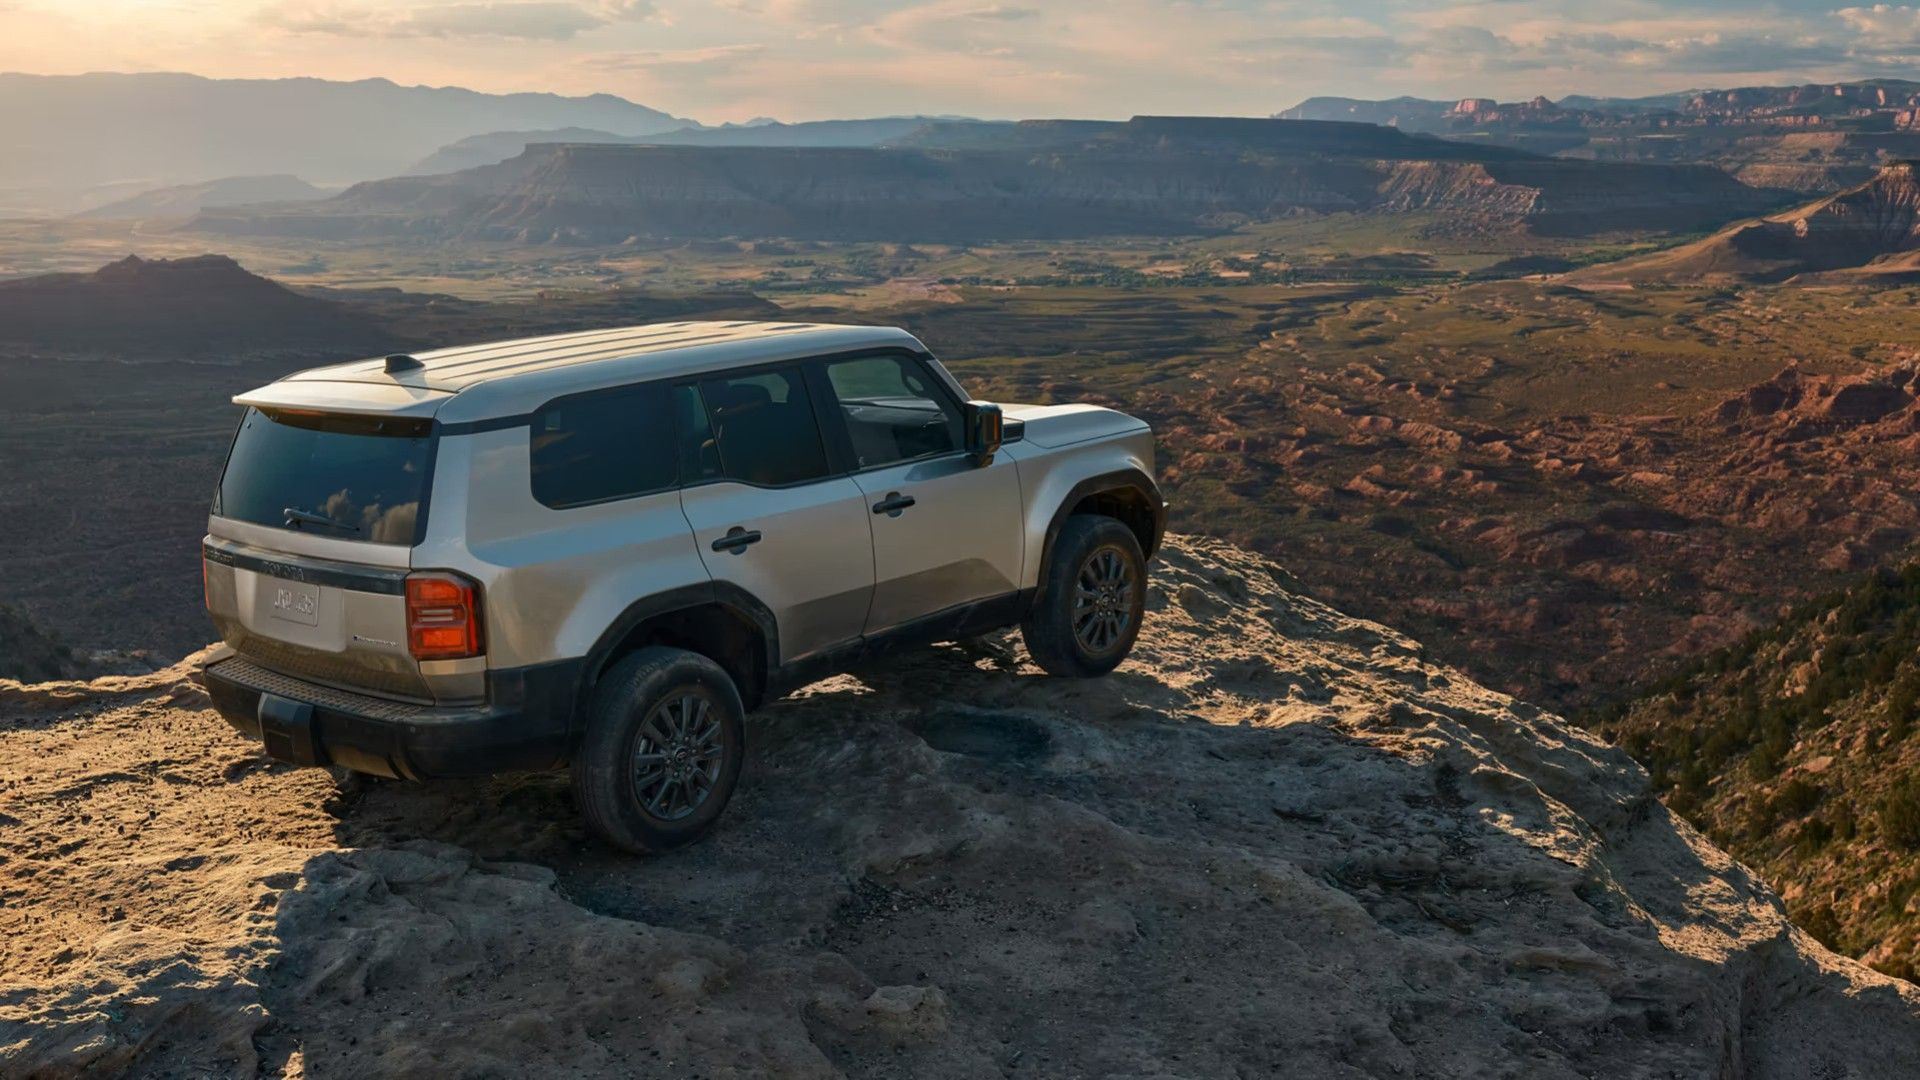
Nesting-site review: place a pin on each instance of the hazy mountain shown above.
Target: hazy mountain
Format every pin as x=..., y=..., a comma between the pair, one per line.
x=1869, y=231
x=1150, y=175
x=1406, y=113
x=1759, y=104
x=493, y=147
x=66, y=132
x=186, y=200
x=1651, y=103
x=872, y=132
x=498, y=146
x=1815, y=139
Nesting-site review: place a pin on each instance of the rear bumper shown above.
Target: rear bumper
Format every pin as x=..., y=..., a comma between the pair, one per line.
x=524, y=724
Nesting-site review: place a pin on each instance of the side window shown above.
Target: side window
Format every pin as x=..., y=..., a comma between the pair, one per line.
x=602, y=446
x=699, y=451
x=892, y=409
x=764, y=429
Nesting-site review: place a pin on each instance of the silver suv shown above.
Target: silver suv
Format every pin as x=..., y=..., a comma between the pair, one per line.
x=600, y=549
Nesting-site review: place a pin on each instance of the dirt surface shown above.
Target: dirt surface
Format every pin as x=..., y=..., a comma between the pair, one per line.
x=1277, y=843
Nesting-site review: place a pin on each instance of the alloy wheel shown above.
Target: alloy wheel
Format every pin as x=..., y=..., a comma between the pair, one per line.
x=1103, y=595
x=677, y=758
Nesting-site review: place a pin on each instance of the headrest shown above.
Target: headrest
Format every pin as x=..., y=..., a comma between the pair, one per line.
x=737, y=396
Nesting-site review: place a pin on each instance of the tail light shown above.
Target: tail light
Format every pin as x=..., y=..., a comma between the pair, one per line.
x=443, y=617
x=206, y=587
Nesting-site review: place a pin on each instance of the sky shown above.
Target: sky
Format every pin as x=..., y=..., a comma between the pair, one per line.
x=720, y=60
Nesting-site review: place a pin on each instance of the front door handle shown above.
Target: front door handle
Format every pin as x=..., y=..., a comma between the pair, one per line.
x=893, y=504
x=737, y=540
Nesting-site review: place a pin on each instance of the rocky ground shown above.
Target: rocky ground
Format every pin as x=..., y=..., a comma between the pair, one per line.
x=1278, y=842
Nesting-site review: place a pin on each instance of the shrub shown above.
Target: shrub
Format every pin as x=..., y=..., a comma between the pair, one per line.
x=1796, y=797
x=1815, y=835
x=1900, y=814
x=1898, y=709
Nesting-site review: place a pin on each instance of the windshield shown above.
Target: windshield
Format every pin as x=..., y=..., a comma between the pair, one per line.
x=353, y=477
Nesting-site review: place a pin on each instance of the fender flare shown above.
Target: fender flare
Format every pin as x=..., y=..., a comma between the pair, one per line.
x=1132, y=480
x=724, y=594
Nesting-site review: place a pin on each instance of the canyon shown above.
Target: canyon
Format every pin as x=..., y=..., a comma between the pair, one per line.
x=1148, y=176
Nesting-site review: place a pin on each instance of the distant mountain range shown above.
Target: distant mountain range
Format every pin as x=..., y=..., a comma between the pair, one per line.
x=497, y=146
x=66, y=135
x=186, y=200
x=1794, y=106
x=970, y=181
x=1817, y=138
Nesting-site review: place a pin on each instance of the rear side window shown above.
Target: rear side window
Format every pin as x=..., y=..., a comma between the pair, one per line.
x=353, y=477
x=603, y=446
x=764, y=429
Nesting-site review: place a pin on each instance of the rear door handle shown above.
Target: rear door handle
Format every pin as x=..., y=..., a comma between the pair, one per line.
x=737, y=540
x=893, y=504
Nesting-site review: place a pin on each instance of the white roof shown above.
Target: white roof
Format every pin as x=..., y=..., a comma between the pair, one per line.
x=507, y=378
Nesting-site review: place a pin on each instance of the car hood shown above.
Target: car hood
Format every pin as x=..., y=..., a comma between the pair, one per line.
x=1063, y=425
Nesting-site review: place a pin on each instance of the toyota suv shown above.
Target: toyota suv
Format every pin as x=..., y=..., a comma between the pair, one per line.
x=599, y=550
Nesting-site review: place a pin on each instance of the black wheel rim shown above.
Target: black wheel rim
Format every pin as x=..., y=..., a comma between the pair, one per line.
x=677, y=758
x=1103, y=598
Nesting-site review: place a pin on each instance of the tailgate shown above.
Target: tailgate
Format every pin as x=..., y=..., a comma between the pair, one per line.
x=329, y=621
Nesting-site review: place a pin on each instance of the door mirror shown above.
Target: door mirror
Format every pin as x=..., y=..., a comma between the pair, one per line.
x=984, y=426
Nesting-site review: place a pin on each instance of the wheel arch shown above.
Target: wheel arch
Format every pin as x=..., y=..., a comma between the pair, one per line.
x=718, y=620
x=1127, y=495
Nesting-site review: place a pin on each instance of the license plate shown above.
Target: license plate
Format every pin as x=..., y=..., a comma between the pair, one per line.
x=296, y=603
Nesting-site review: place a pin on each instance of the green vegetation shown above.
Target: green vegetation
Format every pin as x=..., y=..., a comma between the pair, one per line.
x=1793, y=749
x=1900, y=813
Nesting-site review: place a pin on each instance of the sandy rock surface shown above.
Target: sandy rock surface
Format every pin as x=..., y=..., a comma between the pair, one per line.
x=1278, y=842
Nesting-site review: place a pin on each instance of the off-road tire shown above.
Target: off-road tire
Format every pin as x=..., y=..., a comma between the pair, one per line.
x=635, y=708
x=1088, y=546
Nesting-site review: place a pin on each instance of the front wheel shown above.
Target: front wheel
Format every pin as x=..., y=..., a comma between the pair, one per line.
x=1086, y=618
x=662, y=750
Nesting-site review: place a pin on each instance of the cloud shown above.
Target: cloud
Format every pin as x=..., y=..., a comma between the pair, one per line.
x=815, y=58
x=1890, y=26
x=1686, y=55
x=531, y=20
x=711, y=57
x=1000, y=13
x=1374, y=49
x=1717, y=54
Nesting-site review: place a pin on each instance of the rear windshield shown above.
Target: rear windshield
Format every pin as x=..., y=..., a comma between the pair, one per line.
x=353, y=477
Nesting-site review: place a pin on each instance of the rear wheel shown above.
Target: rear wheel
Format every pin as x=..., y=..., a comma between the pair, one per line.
x=662, y=751
x=1086, y=618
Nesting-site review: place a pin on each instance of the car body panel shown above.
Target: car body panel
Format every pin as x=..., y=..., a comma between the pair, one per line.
x=551, y=580
x=813, y=566
x=1049, y=476
x=353, y=635
x=1055, y=426
x=960, y=541
x=390, y=399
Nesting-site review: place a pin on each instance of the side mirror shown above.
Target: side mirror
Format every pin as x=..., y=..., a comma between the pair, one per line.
x=984, y=428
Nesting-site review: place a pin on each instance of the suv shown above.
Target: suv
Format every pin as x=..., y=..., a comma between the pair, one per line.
x=600, y=549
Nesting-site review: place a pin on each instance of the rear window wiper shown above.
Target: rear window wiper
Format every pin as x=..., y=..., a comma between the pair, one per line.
x=297, y=516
